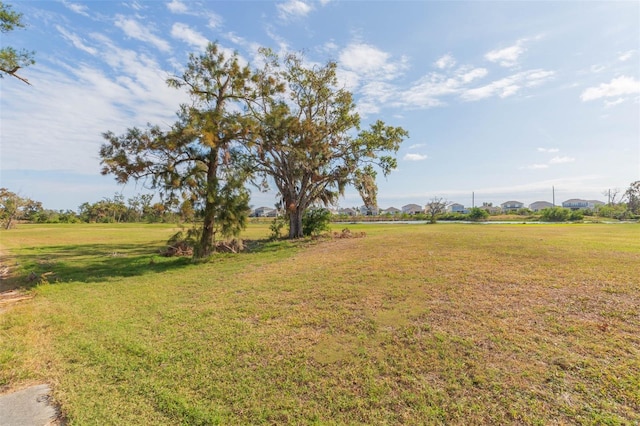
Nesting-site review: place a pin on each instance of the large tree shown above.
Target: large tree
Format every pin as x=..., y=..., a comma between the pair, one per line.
x=633, y=197
x=11, y=60
x=196, y=158
x=309, y=141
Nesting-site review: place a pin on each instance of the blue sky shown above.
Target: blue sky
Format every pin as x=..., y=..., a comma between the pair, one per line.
x=502, y=99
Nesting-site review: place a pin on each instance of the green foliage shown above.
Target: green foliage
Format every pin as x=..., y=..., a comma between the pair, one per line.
x=315, y=221
x=276, y=227
x=576, y=215
x=14, y=207
x=11, y=60
x=633, y=197
x=195, y=164
x=309, y=141
x=615, y=211
x=561, y=214
x=477, y=214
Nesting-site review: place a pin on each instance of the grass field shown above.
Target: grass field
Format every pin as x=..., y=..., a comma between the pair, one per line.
x=414, y=324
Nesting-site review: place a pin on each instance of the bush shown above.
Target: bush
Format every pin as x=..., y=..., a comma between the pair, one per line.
x=576, y=215
x=315, y=221
x=276, y=227
x=477, y=214
x=555, y=214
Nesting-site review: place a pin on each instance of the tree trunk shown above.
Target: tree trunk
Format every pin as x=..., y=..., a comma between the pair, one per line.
x=295, y=223
x=205, y=247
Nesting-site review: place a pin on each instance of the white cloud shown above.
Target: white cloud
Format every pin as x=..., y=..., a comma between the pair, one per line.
x=366, y=70
x=188, y=35
x=597, y=68
x=446, y=61
x=214, y=20
x=369, y=61
x=176, y=6
x=76, y=41
x=537, y=77
x=508, y=56
x=415, y=157
x=293, y=8
x=617, y=87
x=329, y=47
x=136, y=30
x=417, y=145
x=426, y=91
x=77, y=8
x=626, y=55
x=537, y=166
x=474, y=74
x=135, y=5
x=548, y=150
x=508, y=86
x=610, y=104
x=561, y=160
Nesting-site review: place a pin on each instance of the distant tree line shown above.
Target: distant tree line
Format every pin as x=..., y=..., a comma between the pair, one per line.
x=139, y=208
x=142, y=208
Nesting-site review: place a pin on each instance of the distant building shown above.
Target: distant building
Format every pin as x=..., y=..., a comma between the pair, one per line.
x=412, y=209
x=391, y=211
x=369, y=211
x=347, y=211
x=265, y=212
x=490, y=208
x=540, y=205
x=511, y=206
x=456, y=208
x=577, y=204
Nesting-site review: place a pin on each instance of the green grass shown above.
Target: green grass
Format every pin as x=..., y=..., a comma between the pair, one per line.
x=415, y=324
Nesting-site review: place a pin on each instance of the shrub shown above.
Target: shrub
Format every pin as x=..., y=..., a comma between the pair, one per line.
x=576, y=215
x=477, y=214
x=276, y=227
x=315, y=221
x=555, y=214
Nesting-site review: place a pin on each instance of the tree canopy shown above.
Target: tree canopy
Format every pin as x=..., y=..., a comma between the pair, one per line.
x=286, y=123
x=14, y=207
x=196, y=159
x=632, y=195
x=309, y=141
x=11, y=60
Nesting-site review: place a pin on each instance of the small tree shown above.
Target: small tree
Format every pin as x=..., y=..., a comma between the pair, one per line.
x=435, y=207
x=14, y=207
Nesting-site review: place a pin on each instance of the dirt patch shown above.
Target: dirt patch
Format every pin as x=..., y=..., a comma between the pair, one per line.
x=12, y=297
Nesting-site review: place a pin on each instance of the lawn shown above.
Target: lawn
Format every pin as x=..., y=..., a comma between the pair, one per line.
x=413, y=324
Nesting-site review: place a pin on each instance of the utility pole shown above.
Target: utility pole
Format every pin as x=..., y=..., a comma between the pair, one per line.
x=473, y=199
x=553, y=191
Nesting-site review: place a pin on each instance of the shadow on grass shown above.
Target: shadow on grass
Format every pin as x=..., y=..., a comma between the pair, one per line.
x=87, y=263
x=101, y=262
